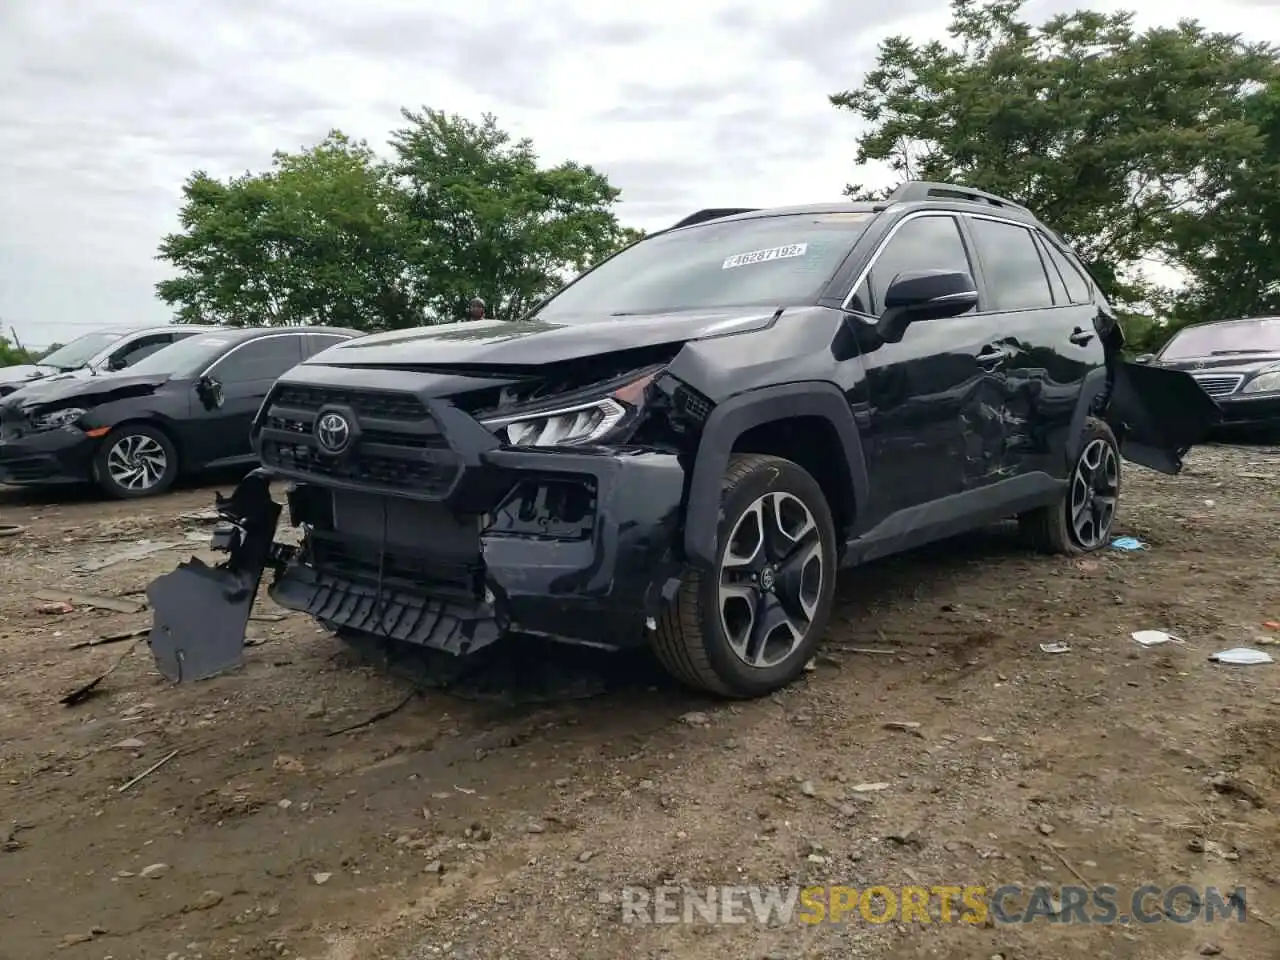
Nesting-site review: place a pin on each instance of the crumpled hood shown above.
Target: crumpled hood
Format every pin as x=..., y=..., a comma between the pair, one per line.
x=499, y=343
x=21, y=372
x=83, y=391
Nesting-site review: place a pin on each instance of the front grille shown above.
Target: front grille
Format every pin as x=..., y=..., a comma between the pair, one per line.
x=367, y=404
x=398, y=447
x=1219, y=384
x=426, y=477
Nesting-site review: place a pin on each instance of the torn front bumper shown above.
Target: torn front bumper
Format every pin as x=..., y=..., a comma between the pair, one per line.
x=1158, y=414
x=579, y=546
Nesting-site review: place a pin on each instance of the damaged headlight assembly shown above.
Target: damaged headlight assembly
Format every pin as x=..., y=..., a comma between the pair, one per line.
x=56, y=419
x=575, y=423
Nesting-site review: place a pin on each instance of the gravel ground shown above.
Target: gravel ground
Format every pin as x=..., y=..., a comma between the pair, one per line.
x=503, y=817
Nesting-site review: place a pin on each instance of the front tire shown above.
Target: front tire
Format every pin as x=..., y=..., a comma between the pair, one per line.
x=1080, y=522
x=750, y=627
x=135, y=460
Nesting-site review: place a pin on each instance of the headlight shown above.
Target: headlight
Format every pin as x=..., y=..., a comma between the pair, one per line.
x=573, y=424
x=57, y=418
x=1268, y=382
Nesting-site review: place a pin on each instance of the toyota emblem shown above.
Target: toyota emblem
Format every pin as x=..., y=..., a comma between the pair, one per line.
x=333, y=433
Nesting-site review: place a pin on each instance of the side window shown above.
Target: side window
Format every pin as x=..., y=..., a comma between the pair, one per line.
x=1011, y=264
x=321, y=341
x=264, y=359
x=1077, y=286
x=923, y=243
x=130, y=354
x=1055, y=278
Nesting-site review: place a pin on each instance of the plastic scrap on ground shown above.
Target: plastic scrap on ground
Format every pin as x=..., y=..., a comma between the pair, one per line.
x=1242, y=656
x=1128, y=543
x=1054, y=648
x=1151, y=638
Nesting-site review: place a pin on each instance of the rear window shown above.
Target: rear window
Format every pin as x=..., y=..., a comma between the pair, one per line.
x=775, y=261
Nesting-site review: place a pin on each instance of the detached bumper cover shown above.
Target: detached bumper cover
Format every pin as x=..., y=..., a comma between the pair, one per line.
x=593, y=578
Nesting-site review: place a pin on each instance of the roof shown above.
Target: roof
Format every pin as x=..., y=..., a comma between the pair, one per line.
x=918, y=193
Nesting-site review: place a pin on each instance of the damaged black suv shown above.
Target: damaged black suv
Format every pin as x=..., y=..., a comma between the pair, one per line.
x=683, y=446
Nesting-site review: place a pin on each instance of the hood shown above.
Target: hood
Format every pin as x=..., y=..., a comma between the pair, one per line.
x=486, y=344
x=1245, y=363
x=22, y=372
x=84, y=391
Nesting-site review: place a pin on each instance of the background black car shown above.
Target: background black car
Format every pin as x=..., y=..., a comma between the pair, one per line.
x=185, y=408
x=103, y=351
x=1236, y=362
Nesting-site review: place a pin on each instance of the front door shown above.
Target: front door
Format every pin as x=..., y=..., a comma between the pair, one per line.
x=246, y=373
x=932, y=398
x=1046, y=327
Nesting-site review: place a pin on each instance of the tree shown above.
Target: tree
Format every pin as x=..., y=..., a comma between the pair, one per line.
x=11, y=355
x=1232, y=249
x=321, y=238
x=1111, y=135
x=490, y=222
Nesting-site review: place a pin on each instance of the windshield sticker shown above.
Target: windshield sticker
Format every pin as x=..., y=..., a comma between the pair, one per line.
x=761, y=256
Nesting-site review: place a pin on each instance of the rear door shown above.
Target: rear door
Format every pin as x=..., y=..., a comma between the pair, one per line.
x=930, y=396
x=1049, y=342
x=246, y=372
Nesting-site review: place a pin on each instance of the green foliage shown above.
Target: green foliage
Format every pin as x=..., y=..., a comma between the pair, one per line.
x=1116, y=138
x=1232, y=249
x=320, y=239
x=490, y=221
x=335, y=235
x=11, y=355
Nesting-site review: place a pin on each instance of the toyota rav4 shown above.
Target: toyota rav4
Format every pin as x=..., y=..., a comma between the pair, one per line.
x=682, y=446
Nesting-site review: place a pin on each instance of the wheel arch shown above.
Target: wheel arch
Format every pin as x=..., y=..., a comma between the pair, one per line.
x=755, y=422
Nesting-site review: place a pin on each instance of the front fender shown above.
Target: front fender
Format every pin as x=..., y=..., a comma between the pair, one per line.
x=732, y=418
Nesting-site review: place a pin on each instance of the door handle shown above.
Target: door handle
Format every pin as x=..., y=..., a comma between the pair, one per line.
x=1080, y=337
x=990, y=356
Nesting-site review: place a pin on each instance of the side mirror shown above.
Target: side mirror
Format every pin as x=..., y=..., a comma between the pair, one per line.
x=916, y=295
x=209, y=390
x=1144, y=358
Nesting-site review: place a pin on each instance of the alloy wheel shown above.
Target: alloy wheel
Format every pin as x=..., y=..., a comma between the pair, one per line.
x=771, y=579
x=137, y=462
x=1095, y=488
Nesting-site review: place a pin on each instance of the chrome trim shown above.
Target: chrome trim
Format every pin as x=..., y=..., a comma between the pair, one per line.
x=1231, y=381
x=871, y=262
x=300, y=332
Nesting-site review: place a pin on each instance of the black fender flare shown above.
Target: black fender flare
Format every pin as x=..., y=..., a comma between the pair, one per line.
x=734, y=417
x=1094, y=385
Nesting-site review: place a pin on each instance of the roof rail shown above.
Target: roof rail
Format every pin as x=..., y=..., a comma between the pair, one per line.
x=713, y=213
x=916, y=190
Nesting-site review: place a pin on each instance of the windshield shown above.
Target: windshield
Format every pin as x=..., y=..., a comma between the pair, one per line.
x=80, y=350
x=1235, y=336
x=778, y=261
x=186, y=358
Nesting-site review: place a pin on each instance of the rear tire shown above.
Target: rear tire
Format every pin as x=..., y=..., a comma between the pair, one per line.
x=135, y=460
x=1080, y=522
x=750, y=627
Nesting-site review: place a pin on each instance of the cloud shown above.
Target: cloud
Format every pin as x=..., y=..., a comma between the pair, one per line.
x=106, y=108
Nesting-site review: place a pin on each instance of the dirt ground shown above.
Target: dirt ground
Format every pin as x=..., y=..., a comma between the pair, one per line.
x=502, y=817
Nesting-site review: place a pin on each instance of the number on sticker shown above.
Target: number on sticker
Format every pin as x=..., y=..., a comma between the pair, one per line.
x=760, y=256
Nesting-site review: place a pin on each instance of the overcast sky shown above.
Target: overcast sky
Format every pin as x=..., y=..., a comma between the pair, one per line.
x=106, y=105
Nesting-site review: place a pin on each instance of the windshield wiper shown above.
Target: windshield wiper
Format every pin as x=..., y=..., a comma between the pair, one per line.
x=1227, y=353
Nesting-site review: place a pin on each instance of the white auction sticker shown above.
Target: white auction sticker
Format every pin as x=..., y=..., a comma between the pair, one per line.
x=760, y=256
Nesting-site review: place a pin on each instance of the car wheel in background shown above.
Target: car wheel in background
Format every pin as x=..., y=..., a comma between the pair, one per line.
x=135, y=460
